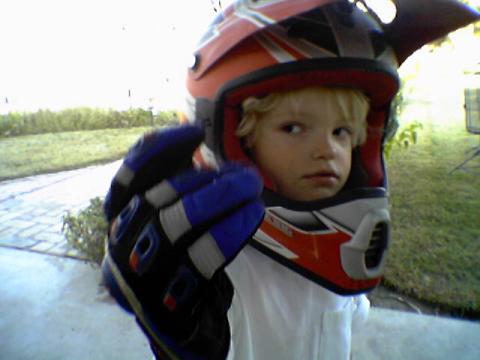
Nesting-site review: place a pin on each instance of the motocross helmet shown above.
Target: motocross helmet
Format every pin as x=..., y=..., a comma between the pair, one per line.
x=254, y=48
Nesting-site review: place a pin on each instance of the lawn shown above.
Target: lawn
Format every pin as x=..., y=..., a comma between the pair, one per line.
x=436, y=220
x=36, y=154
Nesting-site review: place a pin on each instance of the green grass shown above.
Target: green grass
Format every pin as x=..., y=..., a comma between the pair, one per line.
x=44, y=153
x=436, y=221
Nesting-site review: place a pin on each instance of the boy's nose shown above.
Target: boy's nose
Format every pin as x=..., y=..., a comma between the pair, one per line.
x=323, y=147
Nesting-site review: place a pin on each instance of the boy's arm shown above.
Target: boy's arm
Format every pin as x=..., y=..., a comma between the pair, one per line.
x=172, y=230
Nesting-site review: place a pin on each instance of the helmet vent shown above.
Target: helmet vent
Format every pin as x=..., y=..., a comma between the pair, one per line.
x=377, y=245
x=344, y=8
x=314, y=28
x=379, y=42
x=344, y=12
x=302, y=220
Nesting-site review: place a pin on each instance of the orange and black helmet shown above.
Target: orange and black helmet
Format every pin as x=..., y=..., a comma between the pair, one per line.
x=257, y=47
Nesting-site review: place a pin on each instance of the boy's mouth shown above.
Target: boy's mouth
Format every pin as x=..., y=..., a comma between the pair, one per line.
x=324, y=173
x=323, y=178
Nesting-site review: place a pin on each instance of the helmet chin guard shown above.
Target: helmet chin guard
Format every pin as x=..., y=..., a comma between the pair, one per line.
x=257, y=47
x=340, y=242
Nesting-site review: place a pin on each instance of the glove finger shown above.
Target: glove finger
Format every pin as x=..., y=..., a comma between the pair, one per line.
x=185, y=183
x=156, y=147
x=216, y=200
x=155, y=157
x=172, y=189
x=225, y=239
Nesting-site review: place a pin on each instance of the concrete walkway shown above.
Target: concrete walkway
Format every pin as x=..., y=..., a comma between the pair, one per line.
x=52, y=306
x=32, y=208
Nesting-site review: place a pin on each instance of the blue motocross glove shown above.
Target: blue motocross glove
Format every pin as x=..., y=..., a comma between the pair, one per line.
x=170, y=242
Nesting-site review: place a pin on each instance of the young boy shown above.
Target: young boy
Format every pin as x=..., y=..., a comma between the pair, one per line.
x=281, y=95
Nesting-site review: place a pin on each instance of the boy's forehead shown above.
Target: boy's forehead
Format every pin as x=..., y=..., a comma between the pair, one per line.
x=306, y=108
x=314, y=107
x=308, y=100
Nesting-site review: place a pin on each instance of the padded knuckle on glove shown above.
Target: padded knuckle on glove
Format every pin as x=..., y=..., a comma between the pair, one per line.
x=125, y=227
x=225, y=239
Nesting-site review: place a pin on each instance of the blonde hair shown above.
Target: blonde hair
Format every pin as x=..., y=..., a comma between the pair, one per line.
x=352, y=104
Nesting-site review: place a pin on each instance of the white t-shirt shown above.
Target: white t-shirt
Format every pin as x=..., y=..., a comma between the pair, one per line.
x=278, y=314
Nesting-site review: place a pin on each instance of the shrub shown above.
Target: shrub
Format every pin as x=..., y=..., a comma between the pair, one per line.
x=400, y=137
x=87, y=231
x=403, y=138
x=46, y=121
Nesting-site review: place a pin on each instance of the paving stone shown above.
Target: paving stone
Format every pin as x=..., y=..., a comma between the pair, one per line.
x=10, y=203
x=4, y=226
x=58, y=213
x=31, y=231
x=60, y=249
x=9, y=215
x=74, y=253
x=5, y=195
x=23, y=209
x=4, y=206
x=55, y=228
x=42, y=246
x=58, y=238
x=39, y=211
x=47, y=206
x=27, y=217
x=8, y=231
x=13, y=241
x=74, y=211
x=50, y=237
x=20, y=224
x=48, y=213
x=48, y=220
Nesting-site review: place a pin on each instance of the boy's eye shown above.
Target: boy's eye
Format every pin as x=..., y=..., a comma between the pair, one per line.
x=292, y=128
x=342, y=131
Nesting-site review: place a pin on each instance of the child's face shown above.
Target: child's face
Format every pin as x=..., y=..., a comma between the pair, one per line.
x=305, y=154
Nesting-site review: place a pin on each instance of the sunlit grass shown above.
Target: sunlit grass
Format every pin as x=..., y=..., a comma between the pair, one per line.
x=436, y=220
x=35, y=154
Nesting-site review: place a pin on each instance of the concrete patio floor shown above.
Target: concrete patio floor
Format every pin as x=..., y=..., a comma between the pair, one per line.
x=54, y=308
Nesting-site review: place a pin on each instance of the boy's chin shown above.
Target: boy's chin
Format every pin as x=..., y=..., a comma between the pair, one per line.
x=311, y=194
